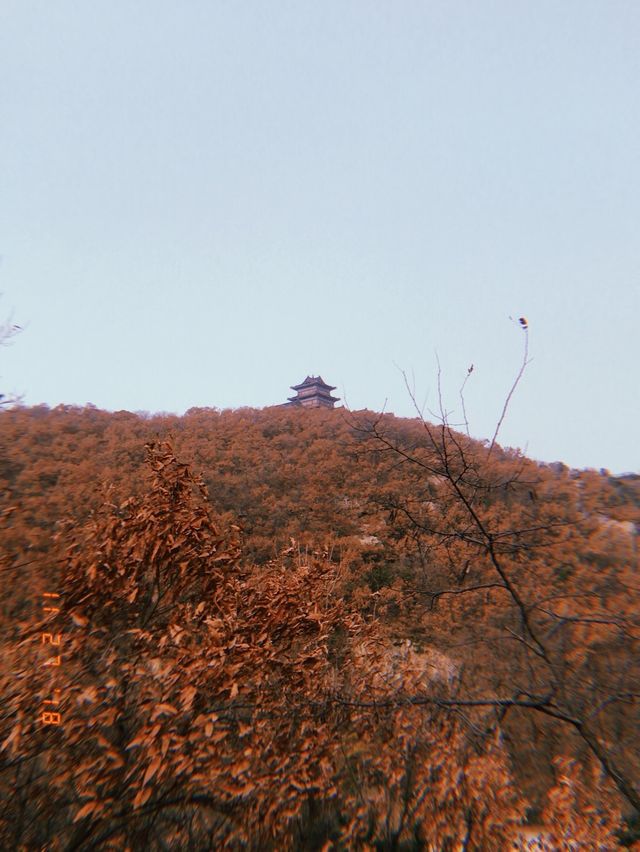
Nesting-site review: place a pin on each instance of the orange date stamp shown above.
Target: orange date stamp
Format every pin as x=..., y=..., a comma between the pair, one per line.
x=52, y=641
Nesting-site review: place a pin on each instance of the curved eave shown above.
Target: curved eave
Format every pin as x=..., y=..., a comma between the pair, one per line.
x=312, y=385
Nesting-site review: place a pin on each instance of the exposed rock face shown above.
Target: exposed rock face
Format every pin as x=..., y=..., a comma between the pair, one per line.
x=401, y=668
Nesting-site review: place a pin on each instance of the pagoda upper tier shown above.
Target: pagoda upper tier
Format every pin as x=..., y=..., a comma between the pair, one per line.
x=314, y=392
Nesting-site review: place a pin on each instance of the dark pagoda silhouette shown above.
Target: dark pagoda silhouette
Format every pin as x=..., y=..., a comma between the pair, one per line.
x=314, y=392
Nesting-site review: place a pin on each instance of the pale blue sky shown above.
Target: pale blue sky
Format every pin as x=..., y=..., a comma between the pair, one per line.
x=203, y=202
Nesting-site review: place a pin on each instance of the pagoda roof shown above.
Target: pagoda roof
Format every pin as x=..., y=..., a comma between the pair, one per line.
x=311, y=381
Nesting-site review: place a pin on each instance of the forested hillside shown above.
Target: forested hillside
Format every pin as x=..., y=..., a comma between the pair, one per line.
x=310, y=629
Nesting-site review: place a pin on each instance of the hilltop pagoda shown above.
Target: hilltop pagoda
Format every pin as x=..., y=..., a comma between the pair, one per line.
x=314, y=392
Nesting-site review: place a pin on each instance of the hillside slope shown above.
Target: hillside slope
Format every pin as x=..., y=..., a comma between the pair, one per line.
x=515, y=584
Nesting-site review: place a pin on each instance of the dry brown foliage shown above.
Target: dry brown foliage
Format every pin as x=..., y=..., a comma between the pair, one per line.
x=205, y=703
x=211, y=702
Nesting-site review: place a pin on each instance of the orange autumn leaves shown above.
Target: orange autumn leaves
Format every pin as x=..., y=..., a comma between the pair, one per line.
x=215, y=701
x=229, y=703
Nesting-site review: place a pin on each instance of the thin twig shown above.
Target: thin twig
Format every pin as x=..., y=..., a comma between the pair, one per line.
x=525, y=361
